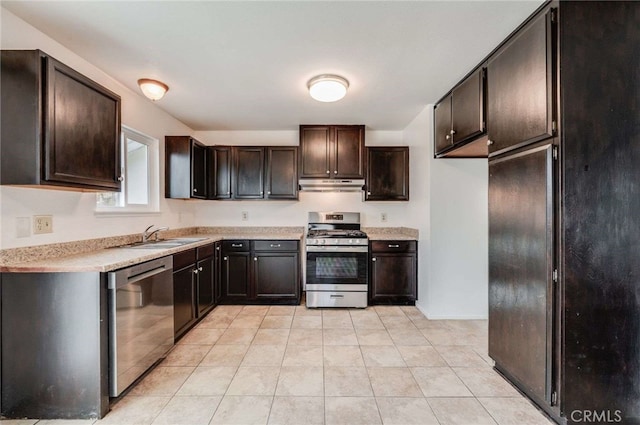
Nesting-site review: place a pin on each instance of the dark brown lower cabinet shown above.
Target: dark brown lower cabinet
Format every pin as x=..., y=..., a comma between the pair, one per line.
x=194, y=286
x=393, y=272
x=260, y=272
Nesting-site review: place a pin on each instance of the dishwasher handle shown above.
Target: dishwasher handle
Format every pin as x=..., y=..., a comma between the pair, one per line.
x=139, y=272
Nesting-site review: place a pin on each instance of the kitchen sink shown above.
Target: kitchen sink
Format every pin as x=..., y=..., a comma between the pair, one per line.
x=162, y=243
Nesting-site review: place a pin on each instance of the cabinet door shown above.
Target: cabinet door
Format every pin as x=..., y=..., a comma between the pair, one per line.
x=82, y=137
x=347, y=154
x=520, y=267
x=519, y=85
x=217, y=269
x=467, y=108
x=314, y=151
x=387, y=174
x=282, y=172
x=393, y=277
x=198, y=170
x=442, y=124
x=183, y=295
x=235, y=274
x=249, y=173
x=219, y=168
x=206, y=272
x=276, y=275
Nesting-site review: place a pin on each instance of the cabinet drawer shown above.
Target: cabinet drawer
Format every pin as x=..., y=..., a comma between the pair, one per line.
x=184, y=258
x=275, y=245
x=393, y=246
x=235, y=245
x=205, y=251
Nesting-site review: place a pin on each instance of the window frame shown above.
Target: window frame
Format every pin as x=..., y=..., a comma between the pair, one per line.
x=153, y=177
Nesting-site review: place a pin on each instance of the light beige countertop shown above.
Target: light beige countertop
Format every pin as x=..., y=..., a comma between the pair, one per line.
x=391, y=233
x=103, y=255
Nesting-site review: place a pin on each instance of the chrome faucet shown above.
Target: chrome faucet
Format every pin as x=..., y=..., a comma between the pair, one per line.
x=146, y=235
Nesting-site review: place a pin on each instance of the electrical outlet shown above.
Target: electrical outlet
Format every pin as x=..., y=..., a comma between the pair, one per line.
x=383, y=217
x=42, y=224
x=245, y=215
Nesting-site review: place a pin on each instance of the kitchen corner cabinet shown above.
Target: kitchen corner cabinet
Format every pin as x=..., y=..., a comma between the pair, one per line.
x=185, y=168
x=260, y=272
x=59, y=128
x=194, y=283
x=219, y=167
x=387, y=174
x=393, y=277
x=460, y=119
x=332, y=151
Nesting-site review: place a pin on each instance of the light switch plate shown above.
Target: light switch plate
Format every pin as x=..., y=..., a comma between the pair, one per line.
x=42, y=224
x=245, y=215
x=383, y=217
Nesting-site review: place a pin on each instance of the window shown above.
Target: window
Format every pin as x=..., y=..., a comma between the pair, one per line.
x=140, y=184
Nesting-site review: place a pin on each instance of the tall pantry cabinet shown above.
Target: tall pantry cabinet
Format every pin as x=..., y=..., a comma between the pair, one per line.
x=563, y=127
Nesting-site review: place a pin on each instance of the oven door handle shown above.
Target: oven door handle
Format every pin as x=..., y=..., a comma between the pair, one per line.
x=336, y=296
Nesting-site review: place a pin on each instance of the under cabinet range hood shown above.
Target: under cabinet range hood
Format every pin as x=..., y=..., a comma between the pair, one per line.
x=332, y=185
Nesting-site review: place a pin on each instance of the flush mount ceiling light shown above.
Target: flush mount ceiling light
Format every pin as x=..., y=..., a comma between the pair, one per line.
x=153, y=89
x=328, y=88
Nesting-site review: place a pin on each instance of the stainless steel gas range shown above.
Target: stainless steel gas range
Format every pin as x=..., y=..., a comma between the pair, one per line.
x=337, y=256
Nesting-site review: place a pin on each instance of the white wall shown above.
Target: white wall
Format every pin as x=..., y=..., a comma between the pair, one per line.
x=73, y=212
x=458, y=204
x=292, y=213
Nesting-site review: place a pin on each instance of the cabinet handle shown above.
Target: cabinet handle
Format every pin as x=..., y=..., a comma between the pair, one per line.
x=453, y=132
x=195, y=190
x=120, y=178
x=335, y=172
x=489, y=142
x=199, y=269
x=236, y=245
x=394, y=246
x=269, y=193
x=226, y=258
x=217, y=248
x=275, y=245
x=260, y=193
x=195, y=271
x=373, y=259
x=368, y=193
x=336, y=296
x=447, y=137
x=228, y=193
x=328, y=172
x=255, y=258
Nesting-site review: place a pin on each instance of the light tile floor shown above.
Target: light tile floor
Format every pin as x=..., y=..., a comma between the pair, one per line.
x=290, y=365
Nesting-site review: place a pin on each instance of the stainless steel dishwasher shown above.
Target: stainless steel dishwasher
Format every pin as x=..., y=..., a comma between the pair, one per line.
x=140, y=320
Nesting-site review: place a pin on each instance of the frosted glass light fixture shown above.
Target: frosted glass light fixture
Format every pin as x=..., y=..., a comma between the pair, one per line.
x=153, y=89
x=328, y=88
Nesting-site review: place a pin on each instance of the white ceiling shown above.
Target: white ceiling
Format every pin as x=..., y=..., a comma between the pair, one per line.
x=239, y=65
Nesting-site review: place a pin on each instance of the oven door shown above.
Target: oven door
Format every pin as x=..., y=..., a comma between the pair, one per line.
x=328, y=265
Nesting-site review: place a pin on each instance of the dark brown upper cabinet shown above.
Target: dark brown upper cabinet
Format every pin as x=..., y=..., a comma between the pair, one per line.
x=387, y=174
x=219, y=172
x=520, y=89
x=59, y=128
x=248, y=172
x=460, y=119
x=252, y=172
x=185, y=168
x=282, y=172
x=332, y=151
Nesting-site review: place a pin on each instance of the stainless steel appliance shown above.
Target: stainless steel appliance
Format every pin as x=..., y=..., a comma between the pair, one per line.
x=337, y=258
x=140, y=320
